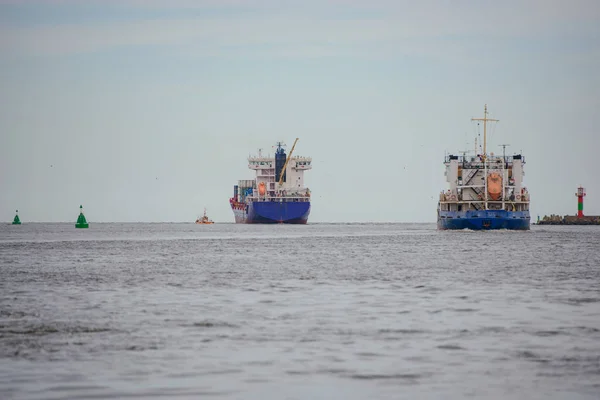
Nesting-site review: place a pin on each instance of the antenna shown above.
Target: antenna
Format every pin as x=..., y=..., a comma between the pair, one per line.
x=504, y=150
x=485, y=119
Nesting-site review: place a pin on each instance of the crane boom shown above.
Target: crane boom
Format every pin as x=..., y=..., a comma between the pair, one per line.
x=286, y=163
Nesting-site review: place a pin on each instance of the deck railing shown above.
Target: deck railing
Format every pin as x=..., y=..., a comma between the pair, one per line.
x=483, y=201
x=282, y=199
x=479, y=160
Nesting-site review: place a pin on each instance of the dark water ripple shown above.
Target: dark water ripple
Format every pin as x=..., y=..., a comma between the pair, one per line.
x=309, y=312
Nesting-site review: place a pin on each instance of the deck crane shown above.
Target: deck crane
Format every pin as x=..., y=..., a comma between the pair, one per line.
x=286, y=163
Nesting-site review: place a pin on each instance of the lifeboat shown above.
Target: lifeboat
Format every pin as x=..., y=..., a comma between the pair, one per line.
x=494, y=185
x=262, y=190
x=204, y=219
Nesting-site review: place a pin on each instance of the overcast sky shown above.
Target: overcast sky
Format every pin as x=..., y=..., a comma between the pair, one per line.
x=147, y=110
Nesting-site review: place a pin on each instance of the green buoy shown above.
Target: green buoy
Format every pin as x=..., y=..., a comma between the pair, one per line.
x=16, y=221
x=81, y=222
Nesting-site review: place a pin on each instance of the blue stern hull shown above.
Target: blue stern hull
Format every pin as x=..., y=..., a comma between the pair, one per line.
x=484, y=220
x=273, y=212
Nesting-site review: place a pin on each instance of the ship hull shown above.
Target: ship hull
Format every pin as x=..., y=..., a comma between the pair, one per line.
x=272, y=212
x=484, y=220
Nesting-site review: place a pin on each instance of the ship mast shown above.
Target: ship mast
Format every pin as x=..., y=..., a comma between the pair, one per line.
x=485, y=119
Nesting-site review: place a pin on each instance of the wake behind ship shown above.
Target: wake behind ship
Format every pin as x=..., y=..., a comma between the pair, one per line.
x=485, y=191
x=277, y=193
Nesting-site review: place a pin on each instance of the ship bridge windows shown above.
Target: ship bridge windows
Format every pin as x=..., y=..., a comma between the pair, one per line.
x=256, y=163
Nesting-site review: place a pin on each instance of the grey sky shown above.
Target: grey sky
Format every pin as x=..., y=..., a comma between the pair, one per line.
x=147, y=110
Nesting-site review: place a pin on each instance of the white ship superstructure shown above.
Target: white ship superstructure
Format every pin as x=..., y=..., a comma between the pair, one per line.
x=477, y=182
x=292, y=184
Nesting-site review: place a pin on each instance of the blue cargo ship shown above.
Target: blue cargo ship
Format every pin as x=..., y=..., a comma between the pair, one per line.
x=485, y=191
x=277, y=194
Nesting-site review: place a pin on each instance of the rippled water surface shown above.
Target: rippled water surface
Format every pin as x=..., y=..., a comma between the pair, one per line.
x=322, y=311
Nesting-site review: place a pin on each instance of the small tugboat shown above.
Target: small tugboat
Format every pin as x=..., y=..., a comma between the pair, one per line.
x=204, y=219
